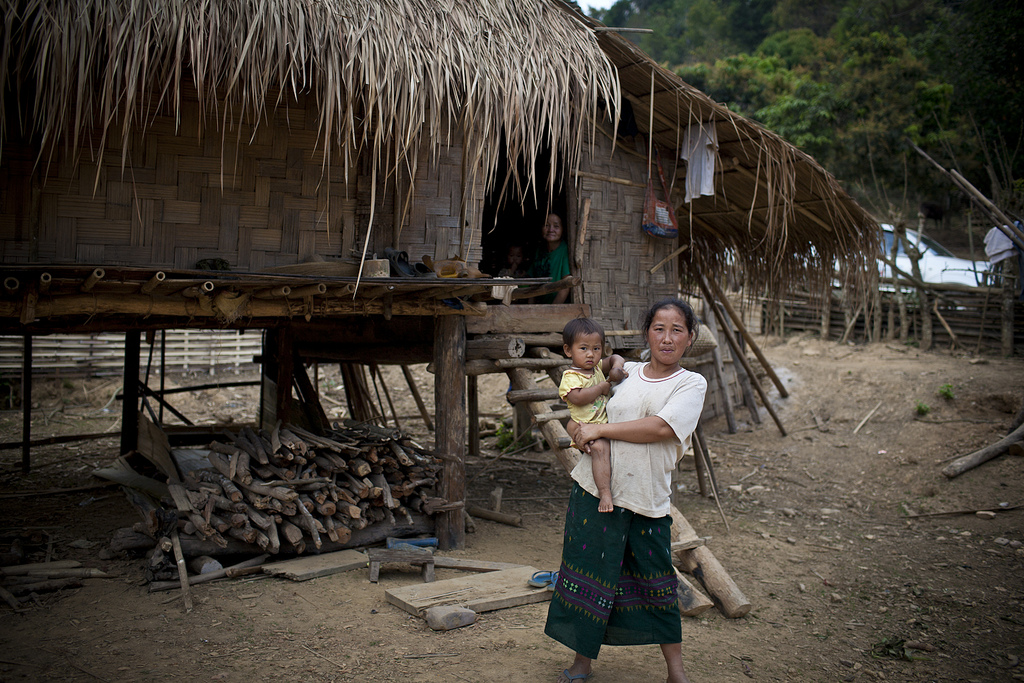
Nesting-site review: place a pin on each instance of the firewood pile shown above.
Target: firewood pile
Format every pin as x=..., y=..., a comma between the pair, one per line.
x=288, y=491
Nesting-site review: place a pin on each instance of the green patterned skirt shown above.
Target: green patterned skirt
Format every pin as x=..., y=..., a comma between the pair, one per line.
x=616, y=584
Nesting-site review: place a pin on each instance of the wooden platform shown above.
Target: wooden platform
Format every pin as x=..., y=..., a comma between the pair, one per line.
x=480, y=592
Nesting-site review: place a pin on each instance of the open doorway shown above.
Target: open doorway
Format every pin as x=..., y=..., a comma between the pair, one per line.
x=514, y=226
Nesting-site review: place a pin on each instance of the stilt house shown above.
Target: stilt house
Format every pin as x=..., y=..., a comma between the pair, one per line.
x=249, y=163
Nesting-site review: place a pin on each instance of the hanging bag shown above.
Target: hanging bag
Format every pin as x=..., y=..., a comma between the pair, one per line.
x=659, y=216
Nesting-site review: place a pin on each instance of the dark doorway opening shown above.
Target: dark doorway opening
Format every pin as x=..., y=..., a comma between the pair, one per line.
x=510, y=223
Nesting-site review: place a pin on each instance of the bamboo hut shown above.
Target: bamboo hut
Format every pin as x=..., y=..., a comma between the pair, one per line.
x=247, y=163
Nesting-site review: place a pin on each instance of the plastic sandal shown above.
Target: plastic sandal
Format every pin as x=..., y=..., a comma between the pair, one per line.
x=543, y=579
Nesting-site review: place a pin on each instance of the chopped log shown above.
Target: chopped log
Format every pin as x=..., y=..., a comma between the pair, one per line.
x=692, y=602
x=157, y=586
x=179, y=557
x=290, y=532
x=47, y=586
x=702, y=564
x=519, y=395
x=73, y=573
x=24, y=569
x=503, y=517
x=972, y=460
x=485, y=348
x=359, y=467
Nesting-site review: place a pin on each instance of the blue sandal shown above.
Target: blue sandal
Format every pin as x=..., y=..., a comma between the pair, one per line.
x=543, y=580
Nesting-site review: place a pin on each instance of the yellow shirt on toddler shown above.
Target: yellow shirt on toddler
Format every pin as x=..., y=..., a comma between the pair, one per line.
x=592, y=413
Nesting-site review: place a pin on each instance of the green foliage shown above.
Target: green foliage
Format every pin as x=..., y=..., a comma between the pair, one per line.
x=946, y=392
x=852, y=83
x=922, y=408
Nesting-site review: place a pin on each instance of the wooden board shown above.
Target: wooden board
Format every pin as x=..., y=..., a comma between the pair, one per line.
x=525, y=318
x=469, y=565
x=313, y=566
x=480, y=593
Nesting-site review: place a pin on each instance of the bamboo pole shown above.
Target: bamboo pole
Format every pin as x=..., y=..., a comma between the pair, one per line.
x=743, y=331
x=740, y=356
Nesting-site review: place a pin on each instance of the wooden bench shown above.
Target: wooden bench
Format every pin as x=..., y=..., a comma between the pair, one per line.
x=409, y=554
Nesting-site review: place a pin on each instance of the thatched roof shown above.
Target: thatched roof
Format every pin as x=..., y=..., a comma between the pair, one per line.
x=390, y=75
x=385, y=74
x=776, y=211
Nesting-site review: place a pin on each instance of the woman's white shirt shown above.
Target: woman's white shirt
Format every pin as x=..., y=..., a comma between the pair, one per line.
x=642, y=472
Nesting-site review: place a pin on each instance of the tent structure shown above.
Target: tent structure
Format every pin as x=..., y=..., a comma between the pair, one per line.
x=248, y=163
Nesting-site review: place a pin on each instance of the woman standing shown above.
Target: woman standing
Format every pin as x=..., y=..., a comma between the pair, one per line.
x=616, y=584
x=552, y=258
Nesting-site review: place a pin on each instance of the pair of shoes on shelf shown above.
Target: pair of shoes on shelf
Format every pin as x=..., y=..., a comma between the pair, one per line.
x=544, y=580
x=400, y=266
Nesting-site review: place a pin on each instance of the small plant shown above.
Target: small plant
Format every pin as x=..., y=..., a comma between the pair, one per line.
x=503, y=436
x=922, y=408
x=946, y=392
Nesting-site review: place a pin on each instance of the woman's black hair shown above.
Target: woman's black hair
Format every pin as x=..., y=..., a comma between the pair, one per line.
x=692, y=324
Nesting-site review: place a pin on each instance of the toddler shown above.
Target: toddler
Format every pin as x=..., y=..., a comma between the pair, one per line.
x=586, y=390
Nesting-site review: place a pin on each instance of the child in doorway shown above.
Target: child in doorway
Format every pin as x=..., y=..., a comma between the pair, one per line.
x=585, y=388
x=513, y=262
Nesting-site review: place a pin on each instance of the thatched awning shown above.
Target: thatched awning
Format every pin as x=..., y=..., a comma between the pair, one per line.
x=776, y=211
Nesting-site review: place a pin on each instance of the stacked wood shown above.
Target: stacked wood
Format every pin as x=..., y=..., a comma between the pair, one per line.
x=291, y=491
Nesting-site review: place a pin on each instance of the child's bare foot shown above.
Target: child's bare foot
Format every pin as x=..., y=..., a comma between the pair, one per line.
x=605, y=504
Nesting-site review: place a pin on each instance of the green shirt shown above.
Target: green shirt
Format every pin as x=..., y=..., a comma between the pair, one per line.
x=553, y=265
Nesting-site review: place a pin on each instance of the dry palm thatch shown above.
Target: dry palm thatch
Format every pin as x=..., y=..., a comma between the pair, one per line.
x=386, y=74
x=776, y=212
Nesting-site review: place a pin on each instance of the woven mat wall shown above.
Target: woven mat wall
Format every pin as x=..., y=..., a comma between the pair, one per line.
x=618, y=256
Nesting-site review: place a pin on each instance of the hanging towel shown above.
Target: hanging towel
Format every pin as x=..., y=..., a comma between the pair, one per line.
x=997, y=246
x=700, y=147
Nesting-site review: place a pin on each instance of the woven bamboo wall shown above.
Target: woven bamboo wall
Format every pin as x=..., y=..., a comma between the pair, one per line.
x=255, y=199
x=95, y=355
x=618, y=256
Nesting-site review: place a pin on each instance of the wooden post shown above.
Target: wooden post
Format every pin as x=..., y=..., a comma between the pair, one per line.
x=267, y=416
x=738, y=355
x=723, y=385
x=473, y=399
x=1009, y=281
x=130, y=392
x=285, y=372
x=738, y=321
x=26, y=404
x=450, y=417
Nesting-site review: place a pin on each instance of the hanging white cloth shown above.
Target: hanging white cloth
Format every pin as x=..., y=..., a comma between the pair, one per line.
x=997, y=246
x=700, y=147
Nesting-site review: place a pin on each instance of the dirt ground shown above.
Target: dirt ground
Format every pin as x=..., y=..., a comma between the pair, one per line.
x=821, y=539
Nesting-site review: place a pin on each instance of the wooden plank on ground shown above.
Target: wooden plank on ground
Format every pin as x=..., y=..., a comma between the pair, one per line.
x=480, y=593
x=470, y=565
x=313, y=566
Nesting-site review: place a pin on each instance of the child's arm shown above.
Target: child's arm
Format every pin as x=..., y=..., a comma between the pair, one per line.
x=612, y=368
x=581, y=397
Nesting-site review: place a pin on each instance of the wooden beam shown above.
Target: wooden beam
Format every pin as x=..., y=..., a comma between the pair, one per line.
x=26, y=404
x=450, y=425
x=528, y=318
x=130, y=402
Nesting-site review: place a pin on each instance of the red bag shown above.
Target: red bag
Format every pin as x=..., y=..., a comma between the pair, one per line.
x=659, y=216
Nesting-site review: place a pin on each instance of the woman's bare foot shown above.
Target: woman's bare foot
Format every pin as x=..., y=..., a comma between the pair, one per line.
x=579, y=671
x=605, y=502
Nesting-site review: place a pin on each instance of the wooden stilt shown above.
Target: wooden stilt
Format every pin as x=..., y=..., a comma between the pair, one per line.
x=26, y=405
x=450, y=434
x=130, y=391
x=723, y=386
x=473, y=400
x=411, y=381
x=737, y=320
x=739, y=355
